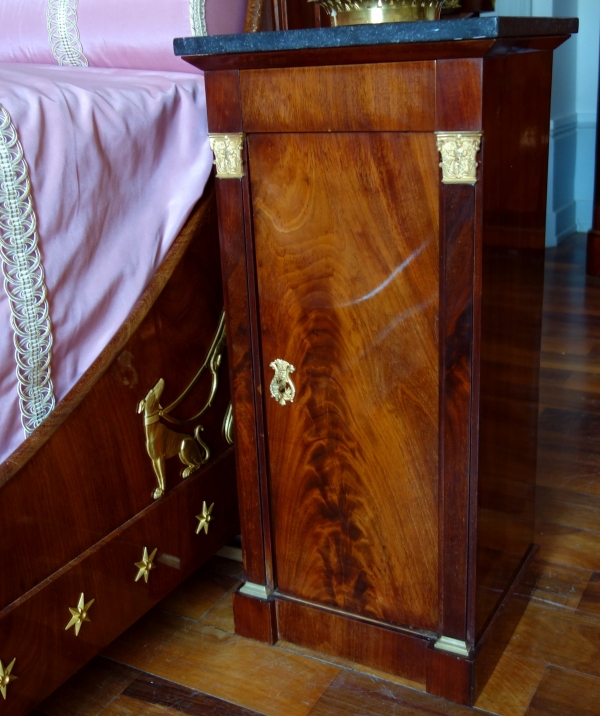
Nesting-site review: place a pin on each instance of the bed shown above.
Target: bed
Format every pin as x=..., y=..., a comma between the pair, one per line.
x=116, y=461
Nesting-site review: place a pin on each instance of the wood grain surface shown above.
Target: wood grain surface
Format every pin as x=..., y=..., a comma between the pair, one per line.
x=297, y=14
x=262, y=678
x=559, y=636
x=255, y=618
x=459, y=87
x=564, y=693
x=590, y=599
x=515, y=123
x=377, y=283
x=511, y=686
x=223, y=101
x=548, y=664
x=506, y=617
x=94, y=687
x=383, y=98
x=449, y=676
x=355, y=693
x=239, y=349
x=457, y=218
x=256, y=351
x=146, y=691
x=375, y=645
x=89, y=468
x=33, y=628
x=348, y=284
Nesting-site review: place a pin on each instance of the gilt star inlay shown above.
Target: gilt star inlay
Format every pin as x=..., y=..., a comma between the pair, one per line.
x=6, y=677
x=79, y=614
x=146, y=565
x=204, y=518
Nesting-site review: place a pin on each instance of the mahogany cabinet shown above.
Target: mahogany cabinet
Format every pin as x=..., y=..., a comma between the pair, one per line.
x=382, y=196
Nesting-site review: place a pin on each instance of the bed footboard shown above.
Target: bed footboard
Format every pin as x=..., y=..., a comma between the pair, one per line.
x=79, y=514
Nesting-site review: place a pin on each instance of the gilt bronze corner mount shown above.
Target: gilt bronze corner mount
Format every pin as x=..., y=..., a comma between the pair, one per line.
x=458, y=151
x=227, y=149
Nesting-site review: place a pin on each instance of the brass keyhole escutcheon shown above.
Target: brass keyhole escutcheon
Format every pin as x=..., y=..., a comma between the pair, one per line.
x=282, y=387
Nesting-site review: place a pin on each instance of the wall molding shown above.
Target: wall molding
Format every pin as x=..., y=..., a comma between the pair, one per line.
x=572, y=122
x=586, y=120
x=571, y=175
x=563, y=125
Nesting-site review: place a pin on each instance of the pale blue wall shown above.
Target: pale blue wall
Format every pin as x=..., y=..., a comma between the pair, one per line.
x=573, y=114
x=586, y=107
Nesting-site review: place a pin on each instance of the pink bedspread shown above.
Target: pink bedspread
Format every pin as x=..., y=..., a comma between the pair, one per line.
x=131, y=34
x=117, y=160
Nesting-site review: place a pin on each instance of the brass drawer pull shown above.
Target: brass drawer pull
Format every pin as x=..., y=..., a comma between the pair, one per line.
x=282, y=388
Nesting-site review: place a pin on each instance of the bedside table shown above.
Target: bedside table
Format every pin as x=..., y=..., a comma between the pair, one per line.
x=382, y=196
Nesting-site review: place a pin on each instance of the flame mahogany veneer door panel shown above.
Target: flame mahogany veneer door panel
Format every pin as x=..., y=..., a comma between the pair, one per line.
x=346, y=234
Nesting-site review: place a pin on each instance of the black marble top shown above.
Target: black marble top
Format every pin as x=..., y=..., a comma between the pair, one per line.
x=384, y=34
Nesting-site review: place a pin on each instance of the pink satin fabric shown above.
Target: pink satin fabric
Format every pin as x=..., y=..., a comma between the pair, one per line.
x=225, y=17
x=117, y=159
x=129, y=34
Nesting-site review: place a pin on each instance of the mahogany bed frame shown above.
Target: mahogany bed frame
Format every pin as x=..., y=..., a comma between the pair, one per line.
x=78, y=518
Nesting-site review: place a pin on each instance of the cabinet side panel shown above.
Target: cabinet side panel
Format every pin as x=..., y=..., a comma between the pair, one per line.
x=516, y=115
x=346, y=230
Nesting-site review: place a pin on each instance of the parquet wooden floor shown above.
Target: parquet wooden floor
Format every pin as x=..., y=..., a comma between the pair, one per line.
x=183, y=657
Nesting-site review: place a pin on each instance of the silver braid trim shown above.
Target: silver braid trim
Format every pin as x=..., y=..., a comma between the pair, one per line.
x=24, y=280
x=63, y=34
x=198, y=18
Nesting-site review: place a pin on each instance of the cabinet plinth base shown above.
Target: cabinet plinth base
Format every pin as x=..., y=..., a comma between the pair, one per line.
x=397, y=652
x=411, y=655
x=450, y=676
x=255, y=618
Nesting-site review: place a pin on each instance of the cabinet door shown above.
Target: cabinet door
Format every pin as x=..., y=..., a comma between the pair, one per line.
x=346, y=235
